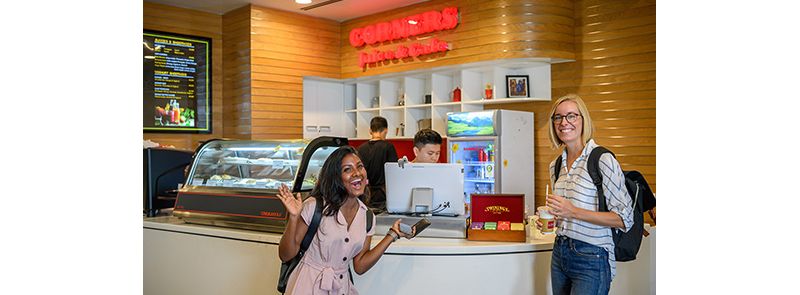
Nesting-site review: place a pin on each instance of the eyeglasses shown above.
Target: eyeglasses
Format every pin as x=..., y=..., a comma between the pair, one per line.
x=571, y=117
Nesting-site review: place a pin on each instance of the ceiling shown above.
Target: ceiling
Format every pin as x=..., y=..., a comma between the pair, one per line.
x=339, y=11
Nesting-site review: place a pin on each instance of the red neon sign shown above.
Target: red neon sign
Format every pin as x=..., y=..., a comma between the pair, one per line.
x=401, y=28
x=412, y=50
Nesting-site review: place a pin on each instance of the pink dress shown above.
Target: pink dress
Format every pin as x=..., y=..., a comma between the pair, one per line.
x=323, y=269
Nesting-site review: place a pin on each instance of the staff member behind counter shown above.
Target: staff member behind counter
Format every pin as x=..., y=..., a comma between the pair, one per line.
x=377, y=151
x=427, y=146
x=374, y=153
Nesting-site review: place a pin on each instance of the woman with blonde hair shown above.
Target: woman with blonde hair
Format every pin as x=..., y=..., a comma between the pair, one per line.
x=583, y=254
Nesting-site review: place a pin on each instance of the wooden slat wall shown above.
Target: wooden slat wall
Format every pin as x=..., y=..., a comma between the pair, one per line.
x=236, y=33
x=615, y=73
x=191, y=22
x=285, y=47
x=491, y=29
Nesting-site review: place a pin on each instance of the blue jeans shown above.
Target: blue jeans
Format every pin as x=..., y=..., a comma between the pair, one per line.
x=579, y=268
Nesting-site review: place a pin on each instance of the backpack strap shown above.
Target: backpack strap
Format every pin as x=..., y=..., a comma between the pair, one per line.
x=557, y=169
x=312, y=228
x=593, y=166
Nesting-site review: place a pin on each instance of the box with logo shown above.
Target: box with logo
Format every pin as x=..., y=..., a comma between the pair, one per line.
x=506, y=209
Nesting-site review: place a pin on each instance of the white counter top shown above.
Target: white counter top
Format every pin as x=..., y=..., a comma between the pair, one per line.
x=416, y=246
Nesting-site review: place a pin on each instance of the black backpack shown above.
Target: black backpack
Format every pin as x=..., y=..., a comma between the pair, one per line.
x=289, y=266
x=626, y=244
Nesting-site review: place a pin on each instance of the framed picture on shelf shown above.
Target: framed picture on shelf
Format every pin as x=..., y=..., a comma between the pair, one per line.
x=517, y=86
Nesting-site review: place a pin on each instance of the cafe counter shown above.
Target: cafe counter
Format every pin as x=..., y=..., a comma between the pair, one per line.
x=182, y=258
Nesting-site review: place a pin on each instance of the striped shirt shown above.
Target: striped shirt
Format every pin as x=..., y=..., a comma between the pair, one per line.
x=577, y=187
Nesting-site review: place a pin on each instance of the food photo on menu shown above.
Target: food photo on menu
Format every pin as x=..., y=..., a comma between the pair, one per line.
x=171, y=114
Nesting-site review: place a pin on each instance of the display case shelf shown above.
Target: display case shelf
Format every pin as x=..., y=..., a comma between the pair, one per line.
x=260, y=162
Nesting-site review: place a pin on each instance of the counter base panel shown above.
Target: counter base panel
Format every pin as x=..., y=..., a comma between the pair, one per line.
x=514, y=273
x=184, y=258
x=185, y=263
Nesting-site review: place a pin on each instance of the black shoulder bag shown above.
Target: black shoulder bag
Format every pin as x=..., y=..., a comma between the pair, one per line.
x=289, y=266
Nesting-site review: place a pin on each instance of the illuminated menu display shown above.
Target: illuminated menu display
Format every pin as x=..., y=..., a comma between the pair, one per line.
x=177, y=84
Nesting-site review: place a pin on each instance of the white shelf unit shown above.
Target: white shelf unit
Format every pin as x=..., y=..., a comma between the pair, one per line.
x=350, y=92
x=443, y=85
x=350, y=114
x=439, y=83
x=413, y=117
x=395, y=116
x=388, y=92
x=323, y=102
x=364, y=95
x=415, y=90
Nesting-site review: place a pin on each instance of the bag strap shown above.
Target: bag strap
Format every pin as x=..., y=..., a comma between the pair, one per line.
x=369, y=228
x=557, y=170
x=593, y=166
x=312, y=228
x=369, y=219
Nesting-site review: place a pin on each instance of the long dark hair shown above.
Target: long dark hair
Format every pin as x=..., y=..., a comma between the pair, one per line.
x=330, y=188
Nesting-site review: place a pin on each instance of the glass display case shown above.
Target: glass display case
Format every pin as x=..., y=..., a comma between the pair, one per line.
x=234, y=183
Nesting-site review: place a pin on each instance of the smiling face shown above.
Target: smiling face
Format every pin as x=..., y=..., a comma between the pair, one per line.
x=354, y=175
x=568, y=132
x=429, y=153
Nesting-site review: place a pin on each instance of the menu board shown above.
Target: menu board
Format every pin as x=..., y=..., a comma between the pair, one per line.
x=177, y=83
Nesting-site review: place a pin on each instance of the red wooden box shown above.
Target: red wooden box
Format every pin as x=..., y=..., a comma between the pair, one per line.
x=494, y=208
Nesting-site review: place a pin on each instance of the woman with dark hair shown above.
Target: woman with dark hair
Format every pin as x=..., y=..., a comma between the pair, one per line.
x=342, y=234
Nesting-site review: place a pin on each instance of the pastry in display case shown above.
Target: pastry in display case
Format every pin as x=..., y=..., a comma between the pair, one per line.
x=234, y=183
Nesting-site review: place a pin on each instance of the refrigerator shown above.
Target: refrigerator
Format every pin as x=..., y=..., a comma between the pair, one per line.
x=496, y=149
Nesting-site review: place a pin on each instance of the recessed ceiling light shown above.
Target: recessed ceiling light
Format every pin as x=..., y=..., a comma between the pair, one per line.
x=302, y=1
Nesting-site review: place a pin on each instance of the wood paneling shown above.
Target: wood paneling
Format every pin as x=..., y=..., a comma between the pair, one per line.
x=236, y=33
x=284, y=48
x=615, y=74
x=488, y=30
x=191, y=22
